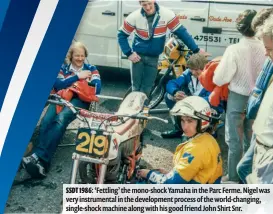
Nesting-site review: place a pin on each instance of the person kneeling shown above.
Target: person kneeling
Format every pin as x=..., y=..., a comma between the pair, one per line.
x=198, y=160
x=187, y=84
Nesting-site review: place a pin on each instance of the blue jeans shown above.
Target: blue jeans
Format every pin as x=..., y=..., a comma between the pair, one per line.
x=144, y=73
x=244, y=168
x=52, y=129
x=238, y=132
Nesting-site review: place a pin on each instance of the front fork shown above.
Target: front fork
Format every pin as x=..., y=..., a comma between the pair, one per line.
x=76, y=161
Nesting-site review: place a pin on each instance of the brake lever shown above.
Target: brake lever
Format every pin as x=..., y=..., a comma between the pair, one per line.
x=151, y=118
x=142, y=117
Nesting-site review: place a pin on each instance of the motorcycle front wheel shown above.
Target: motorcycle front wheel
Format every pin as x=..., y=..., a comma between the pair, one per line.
x=88, y=174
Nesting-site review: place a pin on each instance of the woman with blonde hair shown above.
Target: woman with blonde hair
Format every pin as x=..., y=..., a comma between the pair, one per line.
x=54, y=123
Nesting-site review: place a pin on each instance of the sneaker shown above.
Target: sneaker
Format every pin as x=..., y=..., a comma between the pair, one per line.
x=172, y=134
x=34, y=166
x=225, y=180
x=229, y=182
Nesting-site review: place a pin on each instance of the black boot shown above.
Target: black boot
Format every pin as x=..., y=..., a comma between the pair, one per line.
x=172, y=134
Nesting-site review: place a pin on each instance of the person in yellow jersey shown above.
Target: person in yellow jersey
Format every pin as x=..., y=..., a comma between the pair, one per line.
x=198, y=160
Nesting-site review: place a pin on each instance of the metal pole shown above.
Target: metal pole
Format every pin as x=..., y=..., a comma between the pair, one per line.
x=74, y=171
x=103, y=169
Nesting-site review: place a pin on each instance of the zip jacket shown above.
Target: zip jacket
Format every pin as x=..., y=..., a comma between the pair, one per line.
x=186, y=84
x=67, y=76
x=152, y=45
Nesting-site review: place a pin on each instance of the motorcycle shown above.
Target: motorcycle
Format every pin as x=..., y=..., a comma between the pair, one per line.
x=171, y=65
x=108, y=147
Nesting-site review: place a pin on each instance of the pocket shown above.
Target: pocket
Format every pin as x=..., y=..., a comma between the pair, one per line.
x=253, y=103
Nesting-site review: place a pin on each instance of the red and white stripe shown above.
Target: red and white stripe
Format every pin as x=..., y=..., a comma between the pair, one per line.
x=143, y=34
x=160, y=31
x=174, y=24
x=127, y=28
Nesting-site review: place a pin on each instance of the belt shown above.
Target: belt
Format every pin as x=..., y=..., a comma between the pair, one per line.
x=258, y=142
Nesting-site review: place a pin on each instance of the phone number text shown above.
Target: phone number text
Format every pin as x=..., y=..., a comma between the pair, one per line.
x=216, y=39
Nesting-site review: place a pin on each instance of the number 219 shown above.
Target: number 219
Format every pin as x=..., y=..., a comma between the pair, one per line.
x=95, y=143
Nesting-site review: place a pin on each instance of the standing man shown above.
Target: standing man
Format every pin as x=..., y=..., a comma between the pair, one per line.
x=150, y=24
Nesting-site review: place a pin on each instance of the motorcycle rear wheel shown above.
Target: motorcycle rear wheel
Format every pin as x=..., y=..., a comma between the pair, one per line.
x=156, y=97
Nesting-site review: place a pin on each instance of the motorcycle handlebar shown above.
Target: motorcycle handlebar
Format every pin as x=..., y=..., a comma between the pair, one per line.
x=143, y=117
x=56, y=102
x=159, y=111
x=62, y=102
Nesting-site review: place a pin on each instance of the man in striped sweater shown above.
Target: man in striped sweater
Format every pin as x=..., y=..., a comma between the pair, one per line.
x=149, y=24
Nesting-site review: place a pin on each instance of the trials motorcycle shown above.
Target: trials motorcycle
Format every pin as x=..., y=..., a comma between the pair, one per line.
x=171, y=65
x=108, y=147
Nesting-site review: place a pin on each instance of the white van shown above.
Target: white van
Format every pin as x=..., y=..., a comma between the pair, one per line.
x=211, y=23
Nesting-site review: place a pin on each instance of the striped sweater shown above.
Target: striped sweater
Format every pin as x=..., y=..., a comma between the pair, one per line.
x=152, y=45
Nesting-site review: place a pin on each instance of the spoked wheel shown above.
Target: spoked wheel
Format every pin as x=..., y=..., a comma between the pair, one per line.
x=88, y=171
x=157, y=94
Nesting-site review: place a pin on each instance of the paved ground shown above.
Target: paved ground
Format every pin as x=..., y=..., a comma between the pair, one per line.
x=44, y=196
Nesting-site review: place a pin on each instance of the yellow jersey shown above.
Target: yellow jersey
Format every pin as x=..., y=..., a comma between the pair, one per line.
x=197, y=161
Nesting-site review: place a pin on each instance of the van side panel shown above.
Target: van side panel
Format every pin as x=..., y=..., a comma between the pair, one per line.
x=223, y=17
x=211, y=23
x=98, y=30
x=127, y=8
